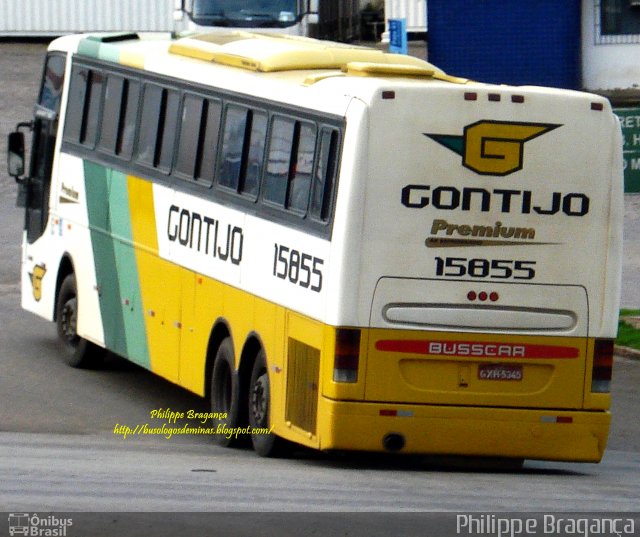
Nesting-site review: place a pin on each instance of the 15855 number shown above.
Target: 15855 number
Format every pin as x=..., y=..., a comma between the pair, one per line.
x=501, y=269
x=297, y=267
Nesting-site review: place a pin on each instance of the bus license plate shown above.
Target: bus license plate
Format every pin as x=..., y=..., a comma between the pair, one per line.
x=499, y=372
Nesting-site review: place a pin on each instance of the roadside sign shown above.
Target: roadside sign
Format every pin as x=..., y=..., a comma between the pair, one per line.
x=630, y=122
x=398, y=36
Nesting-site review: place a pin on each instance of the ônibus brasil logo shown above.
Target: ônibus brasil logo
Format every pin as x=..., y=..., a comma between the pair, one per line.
x=493, y=147
x=38, y=526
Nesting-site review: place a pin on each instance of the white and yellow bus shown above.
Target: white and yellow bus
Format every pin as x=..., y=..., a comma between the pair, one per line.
x=352, y=248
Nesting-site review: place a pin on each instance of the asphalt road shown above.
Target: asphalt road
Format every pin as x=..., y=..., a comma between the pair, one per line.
x=58, y=450
x=101, y=473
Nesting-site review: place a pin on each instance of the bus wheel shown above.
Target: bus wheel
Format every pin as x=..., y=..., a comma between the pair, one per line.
x=79, y=352
x=225, y=399
x=265, y=444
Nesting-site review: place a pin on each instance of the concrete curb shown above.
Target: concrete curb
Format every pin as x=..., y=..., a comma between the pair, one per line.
x=626, y=352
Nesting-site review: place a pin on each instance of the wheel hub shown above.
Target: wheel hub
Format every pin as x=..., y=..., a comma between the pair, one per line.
x=69, y=320
x=259, y=400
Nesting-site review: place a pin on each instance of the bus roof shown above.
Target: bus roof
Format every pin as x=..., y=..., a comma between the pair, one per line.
x=289, y=60
x=267, y=53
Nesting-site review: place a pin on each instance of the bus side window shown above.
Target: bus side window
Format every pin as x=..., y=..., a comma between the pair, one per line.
x=112, y=105
x=245, y=131
x=290, y=164
x=252, y=164
x=148, y=132
x=324, y=177
x=301, y=170
x=86, y=93
x=192, y=121
x=276, y=177
x=233, y=141
x=167, y=129
x=92, y=105
x=158, y=124
x=210, y=133
x=127, y=118
x=118, y=118
x=51, y=90
x=77, y=94
x=198, y=143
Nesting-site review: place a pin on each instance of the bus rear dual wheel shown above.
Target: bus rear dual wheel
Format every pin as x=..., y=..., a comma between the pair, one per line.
x=78, y=352
x=226, y=399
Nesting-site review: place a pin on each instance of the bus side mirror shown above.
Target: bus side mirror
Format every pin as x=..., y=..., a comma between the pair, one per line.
x=15, y=155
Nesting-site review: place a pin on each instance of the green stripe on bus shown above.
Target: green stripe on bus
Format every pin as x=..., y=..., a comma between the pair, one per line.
x=133, y=316
x=114, y=257
x=88, y=47
x=97, y=192
x=109, y=53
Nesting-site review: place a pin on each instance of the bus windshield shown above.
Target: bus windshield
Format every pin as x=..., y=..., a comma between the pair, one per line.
x=253, y=13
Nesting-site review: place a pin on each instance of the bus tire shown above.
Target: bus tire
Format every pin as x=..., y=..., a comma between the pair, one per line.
x=266, y=444
x=78, y=352
x=225, y=394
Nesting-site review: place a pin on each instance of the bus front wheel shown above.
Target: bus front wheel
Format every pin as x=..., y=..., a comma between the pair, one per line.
x=78, y=351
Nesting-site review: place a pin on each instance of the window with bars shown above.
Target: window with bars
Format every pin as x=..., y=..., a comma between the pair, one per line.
x=617, y=21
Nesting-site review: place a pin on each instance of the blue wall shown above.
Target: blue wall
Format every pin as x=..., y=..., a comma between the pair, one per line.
x=507, y=41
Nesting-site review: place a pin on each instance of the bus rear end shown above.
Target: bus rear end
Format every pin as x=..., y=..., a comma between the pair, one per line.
x=488, y=263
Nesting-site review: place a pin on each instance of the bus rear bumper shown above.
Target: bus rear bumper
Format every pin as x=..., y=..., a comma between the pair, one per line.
x=570, y=435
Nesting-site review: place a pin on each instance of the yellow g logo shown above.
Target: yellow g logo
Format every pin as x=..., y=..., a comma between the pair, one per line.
x=493, y=147
x=36, y=281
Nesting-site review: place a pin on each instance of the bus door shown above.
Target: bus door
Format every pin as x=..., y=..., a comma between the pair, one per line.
x=45, y=126
x=34, y=188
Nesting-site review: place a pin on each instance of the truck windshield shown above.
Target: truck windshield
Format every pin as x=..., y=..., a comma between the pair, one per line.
x=245, y=14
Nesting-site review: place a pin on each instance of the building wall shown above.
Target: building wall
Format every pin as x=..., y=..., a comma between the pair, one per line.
x=507, y=41
x=608, y=61
x=56, y=17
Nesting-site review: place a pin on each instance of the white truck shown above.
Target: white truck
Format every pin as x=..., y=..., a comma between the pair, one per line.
x=326, y=19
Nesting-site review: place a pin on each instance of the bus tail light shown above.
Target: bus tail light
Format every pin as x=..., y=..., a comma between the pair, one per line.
x=347, y=357
x=602, y=366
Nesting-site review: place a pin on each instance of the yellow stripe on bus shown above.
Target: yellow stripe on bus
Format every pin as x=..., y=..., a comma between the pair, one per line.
x=132, y=59
x=160, y=284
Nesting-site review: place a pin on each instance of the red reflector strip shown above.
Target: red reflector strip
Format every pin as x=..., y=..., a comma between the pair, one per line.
x=493, y=349
x=517, y=98
x=597, y=106
x=556, y=419
x=388, y=94
x=494, y=97
x=396, y=413
x=470, y=96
